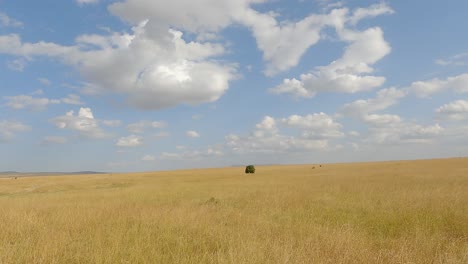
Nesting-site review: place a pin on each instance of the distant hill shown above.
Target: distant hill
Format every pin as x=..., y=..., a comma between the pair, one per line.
x=4, y=174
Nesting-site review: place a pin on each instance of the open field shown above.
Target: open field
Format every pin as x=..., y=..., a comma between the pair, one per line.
x=388, y=212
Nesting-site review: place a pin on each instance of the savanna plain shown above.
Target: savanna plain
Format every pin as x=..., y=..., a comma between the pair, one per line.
x=383, y=212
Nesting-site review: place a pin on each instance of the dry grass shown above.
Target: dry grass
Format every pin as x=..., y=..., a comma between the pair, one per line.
x=390, y=212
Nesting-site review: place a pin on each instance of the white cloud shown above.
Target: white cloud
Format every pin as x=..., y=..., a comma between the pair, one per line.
x=38, y=92
x=12, y=44
x=458, y=83
x=8, y=129
x=327, y=4
x=6, y=21
x=456, y=110
x=20, y=102
x=89, y=89
x=350, y=73
x=268, y=137
x=154, y=70
x=155, y=67
x=369, y=12
x=203, y=16
x=192, y=134
x=268, y=124
x=130, y=141
x=28, y=102
x=388, y=128
x=283, y=43
x=17, y=64
x=44, y=81
x=392, y=129
x=53, y=140
x=384, y=99
x=72, y=99
x=84, y=123
x=378, y=120
x=141, y=126
x=112, y=123
x=83, y=2
x=317, y=126
x=456, y=60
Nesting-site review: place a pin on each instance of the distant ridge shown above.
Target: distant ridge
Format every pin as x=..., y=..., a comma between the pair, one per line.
x=9, y=172
x=4, y=174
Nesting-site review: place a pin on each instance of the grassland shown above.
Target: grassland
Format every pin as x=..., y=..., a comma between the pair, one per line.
x=388, y=212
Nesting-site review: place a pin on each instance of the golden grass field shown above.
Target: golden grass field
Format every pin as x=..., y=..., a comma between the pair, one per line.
x=386, y=212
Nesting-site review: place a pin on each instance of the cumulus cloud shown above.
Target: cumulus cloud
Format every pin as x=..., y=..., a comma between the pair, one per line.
x=386, y=128
x=6, y=21
x=456, y=110
x=352, y=72
x=384, y=99
x=455, y=60
x=270, y=135
x=369, y=12
x=283, y=44
x=319, y=125
x=112, y=123
x=130, y=141
x=8, y=129
x=28, y=102
x=392, y=129
x=196, y=17
x=72, y=99
x=153, y=70
x=349, y=74
x=457, y=83
x=154, y=67
x=84, y=123
x=17, y=64
x=141, y=126
x=83, y=2
x=192, y=134
x=44, y=81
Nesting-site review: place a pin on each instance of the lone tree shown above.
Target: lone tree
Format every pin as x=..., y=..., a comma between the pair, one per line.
x=250, y=169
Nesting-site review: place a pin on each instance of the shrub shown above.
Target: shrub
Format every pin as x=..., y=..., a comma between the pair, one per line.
x=250, y=169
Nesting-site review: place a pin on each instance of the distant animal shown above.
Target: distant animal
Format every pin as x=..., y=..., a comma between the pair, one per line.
x=313, y=167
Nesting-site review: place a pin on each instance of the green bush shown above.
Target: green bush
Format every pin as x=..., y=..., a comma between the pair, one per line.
x=250, y=169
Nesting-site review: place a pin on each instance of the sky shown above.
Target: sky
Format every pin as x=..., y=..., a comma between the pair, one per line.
x=143, y=85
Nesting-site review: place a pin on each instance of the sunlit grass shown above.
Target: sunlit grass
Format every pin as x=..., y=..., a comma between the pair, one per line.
x=392, y=212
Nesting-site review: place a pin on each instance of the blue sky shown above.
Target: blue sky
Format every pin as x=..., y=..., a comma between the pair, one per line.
x=140, y=85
